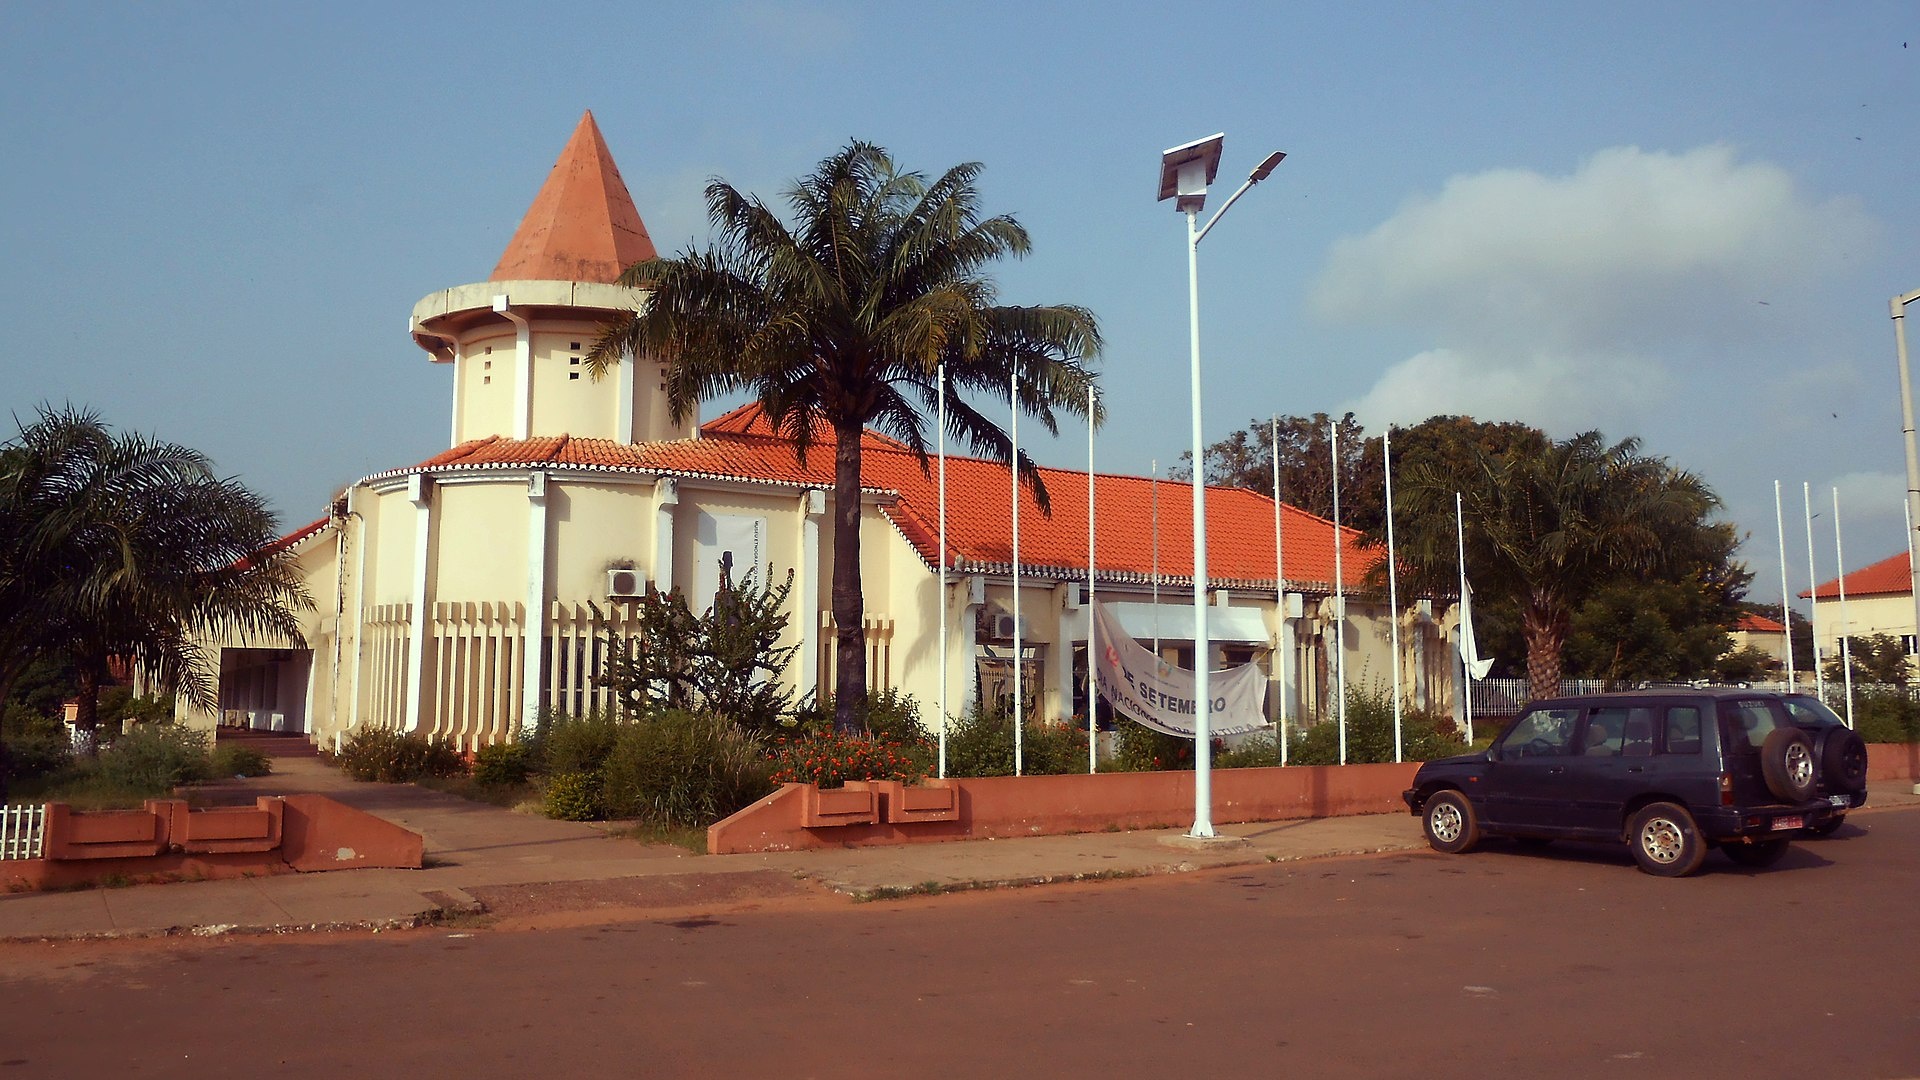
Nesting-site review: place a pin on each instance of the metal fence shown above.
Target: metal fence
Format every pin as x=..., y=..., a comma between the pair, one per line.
x=1501, y=698
x=22, y=831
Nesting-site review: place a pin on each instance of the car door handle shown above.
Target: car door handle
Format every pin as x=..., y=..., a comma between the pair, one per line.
x=1636, y=768
x=1557, y=769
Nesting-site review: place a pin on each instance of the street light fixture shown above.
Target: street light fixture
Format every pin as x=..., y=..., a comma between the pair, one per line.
x=1899, y=306
x=1185, y=172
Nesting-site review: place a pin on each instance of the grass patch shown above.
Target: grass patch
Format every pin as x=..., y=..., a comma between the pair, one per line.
x=473, y=790
x=690, y=837
x=81, y=788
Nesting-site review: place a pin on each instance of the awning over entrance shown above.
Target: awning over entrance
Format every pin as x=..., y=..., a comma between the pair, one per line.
x=1240, y=625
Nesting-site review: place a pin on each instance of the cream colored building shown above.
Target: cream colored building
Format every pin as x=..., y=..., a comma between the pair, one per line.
x=461, y=595
x=1878, y=600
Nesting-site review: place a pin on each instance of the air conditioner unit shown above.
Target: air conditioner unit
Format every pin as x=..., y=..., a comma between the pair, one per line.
x=626, y=585
x=1004, y=626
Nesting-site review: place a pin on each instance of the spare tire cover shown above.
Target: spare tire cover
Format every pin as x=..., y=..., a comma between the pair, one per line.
x=1843, y=760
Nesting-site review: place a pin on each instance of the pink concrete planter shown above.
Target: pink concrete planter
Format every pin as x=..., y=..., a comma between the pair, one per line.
x=857, y=803
x=935, y=800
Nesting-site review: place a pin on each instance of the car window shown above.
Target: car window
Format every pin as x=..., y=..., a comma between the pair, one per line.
x=1810, y=710
x=1637, y=740
x=1745, y=725
x=1607, y=731
x=1541, y=733
x=1682, y=734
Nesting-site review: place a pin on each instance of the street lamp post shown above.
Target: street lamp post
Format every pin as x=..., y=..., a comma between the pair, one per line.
x=1185, y=172
x=1899, y=306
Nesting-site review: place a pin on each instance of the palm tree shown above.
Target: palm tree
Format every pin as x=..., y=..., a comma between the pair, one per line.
x=847, y=318
x=1546, y=525
x=129, y=548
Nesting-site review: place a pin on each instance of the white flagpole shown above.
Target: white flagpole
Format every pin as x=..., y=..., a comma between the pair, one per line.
x=1093, y=692
x=1466, y=670
x=1019, y=660
x=1846, y=647
x=1340, y=600
x=1813, y=594
x=945, y=611
x=1907, y=511
x=1154, y=471
x=1279, y=593
x=1393, y=589
x=1786, y=611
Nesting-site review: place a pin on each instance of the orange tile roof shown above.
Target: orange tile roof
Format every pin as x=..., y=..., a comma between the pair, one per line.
x=1759, y=624
x=1890, y=576
x=979, y=520
x=583, y=225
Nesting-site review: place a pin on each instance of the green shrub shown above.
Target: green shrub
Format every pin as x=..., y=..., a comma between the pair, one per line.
x=1257, y=750
x=572, y=796
x=501, y=765
x=1424, y=736
x=1142, y=749
x=577, y=743
x=36, y=753
x=1884, y=717
x=683, y=769
x=396, y=757
x=981, y=744
x=235, y=760
x=156, y=758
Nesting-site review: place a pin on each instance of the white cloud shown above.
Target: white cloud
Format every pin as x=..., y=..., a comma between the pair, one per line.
x=1586, y=292
x=1865, y=497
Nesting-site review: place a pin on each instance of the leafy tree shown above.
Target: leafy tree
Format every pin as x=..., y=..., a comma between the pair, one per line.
x=846, y=318
x=1665, y=621
x=1744, y=664
x=727, y=661
x=124, y=547
x=1877, y=658
x=1545, y=527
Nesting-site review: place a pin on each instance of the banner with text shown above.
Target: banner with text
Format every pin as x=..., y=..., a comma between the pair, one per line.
x=1150, y=691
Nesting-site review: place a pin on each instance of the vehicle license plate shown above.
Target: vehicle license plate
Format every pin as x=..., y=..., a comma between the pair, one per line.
x=1781, y=823
x=1840, y=801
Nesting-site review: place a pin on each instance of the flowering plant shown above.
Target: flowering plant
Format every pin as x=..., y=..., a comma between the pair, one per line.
x=831, y=759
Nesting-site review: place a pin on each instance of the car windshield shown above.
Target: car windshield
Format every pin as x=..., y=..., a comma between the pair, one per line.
x=1807, y=709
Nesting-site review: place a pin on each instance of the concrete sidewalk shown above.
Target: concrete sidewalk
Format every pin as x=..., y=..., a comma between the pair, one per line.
x=486, y=858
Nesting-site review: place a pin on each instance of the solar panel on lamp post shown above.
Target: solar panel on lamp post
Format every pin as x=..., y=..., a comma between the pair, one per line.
x=1185, y=172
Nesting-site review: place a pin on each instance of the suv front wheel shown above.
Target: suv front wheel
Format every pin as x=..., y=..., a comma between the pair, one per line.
x=1665, y=840
x=1450, y=822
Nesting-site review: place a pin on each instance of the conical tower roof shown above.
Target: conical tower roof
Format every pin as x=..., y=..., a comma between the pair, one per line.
x=583, y=225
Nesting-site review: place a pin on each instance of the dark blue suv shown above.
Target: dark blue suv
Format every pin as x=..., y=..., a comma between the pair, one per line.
x=1671, y=773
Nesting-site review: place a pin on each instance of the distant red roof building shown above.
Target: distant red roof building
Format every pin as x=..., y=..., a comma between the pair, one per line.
x=742, y=446
x=1889, y=577
x=1759, y=624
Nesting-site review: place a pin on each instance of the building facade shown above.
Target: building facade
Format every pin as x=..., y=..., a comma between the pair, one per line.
x=461, y=595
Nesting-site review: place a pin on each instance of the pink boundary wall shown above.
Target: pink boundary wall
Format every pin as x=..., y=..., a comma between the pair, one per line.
x=1007, y=806
x=167, y=840
x=799, y=816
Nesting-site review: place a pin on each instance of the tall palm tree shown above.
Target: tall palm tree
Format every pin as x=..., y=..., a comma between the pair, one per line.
x=128, y=548
x=846, y=317
x=1546, y=524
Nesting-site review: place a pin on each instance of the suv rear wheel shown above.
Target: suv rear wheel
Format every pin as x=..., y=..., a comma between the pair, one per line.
x=1450, y=822
x=1665, y=840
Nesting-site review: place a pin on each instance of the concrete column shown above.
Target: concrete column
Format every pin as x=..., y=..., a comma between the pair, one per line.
x=813, y=506
x=1059, y=672
x=420, y=494
x=534, y=632
x=965, y=645
x=666, y=498
x=623, y=397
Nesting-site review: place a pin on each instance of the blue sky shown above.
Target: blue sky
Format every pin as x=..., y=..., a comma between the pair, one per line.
x=1681, y=222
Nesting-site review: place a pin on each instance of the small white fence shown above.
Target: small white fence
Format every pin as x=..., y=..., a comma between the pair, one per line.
x=1506, y=697
x=22, y=831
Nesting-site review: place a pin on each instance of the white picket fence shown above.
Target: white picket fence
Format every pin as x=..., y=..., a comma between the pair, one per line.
x=22, y=831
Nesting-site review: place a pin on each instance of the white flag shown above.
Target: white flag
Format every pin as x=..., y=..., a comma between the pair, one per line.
x=1469, y=650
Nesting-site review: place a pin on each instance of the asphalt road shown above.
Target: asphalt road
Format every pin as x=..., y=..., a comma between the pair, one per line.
x=1496, y=964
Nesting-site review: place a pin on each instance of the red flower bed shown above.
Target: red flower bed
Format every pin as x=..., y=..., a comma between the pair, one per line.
x=831, y=760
